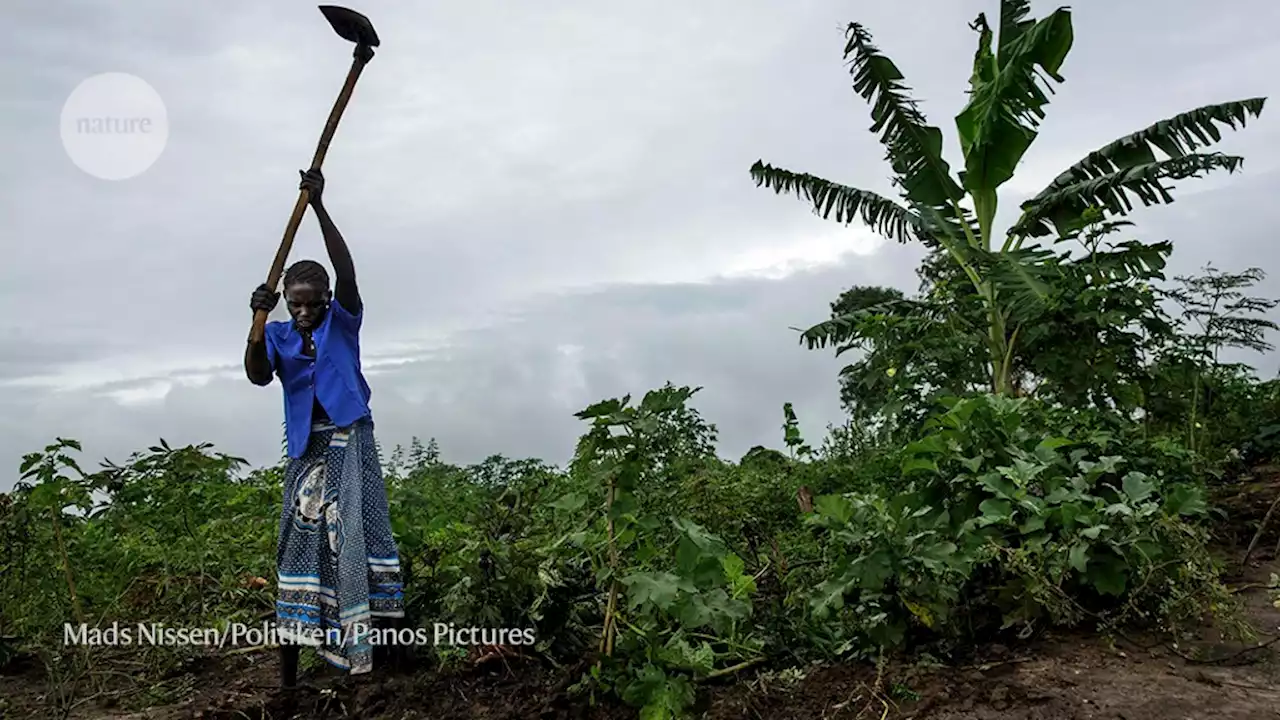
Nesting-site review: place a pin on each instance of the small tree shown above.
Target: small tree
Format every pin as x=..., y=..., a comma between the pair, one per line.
x=955, y=213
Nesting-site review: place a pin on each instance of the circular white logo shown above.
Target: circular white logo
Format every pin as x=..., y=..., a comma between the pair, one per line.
x=114, y=126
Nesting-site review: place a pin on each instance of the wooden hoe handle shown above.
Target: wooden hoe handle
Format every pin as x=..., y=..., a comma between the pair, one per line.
x=362, y=56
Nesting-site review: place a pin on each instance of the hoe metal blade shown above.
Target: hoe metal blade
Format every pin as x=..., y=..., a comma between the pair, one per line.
x=350, y=25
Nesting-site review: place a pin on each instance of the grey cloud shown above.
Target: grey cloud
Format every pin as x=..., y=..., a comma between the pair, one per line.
x=24, y=353
x=512, y=388
x=496, y=155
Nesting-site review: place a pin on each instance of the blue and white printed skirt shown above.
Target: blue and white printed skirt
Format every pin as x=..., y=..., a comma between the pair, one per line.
x=337, y=563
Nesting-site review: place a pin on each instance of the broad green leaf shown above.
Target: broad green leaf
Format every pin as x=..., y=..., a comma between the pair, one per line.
x=1137, y=487
x=29, y=462
x=878, y=213
x=1118, y=509
x=1176, y=137
x=1032, y=525
x=937, y=555
x=999, y=484
x=723, y=609
x=1024, y=278
x=914, y=148
x=994, y=511
x=919, y=464
x=1013, y=21
x=835, y=507
x=1036, y=540
x=1050, y=445
x=733, y=566
x=679, y=653
x=666, y=399
x=1006, y=104
x=1023, y=472
x=694, y=612
x=1063, y=210
x=698, y=555
x=1187, y=500
x=874, y=569
x=658, y=588
x=929, y=444
x=829, y=596
x=1105, y=465
x=47, y=495
x=1079, y=556
x=1131, y=259
x=570, y=502
x=603, y=408
x=1093, y=532
x=670, y=702
x=1059, y=495
x=1032, y=504
x=658, y=696
x=699, y=536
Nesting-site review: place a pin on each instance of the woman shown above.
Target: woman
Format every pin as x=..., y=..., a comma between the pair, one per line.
x=337, y=564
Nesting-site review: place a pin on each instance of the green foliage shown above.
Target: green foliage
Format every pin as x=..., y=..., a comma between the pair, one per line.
x=1130, y=164
x=675, y=599
x=1012, y=283
x=1038, y=516
x=667, y=564
x=1029, y=444
x=913, y=350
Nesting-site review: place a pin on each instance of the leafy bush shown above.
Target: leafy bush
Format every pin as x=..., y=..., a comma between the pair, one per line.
x=1004, y=505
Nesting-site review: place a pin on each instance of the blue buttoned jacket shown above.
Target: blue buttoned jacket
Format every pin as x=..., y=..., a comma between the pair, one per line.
x=332, y=377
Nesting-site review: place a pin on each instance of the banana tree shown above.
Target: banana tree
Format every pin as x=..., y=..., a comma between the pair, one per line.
x=1014, y=67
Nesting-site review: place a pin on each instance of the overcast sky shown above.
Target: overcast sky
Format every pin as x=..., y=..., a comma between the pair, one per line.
x=548, y=204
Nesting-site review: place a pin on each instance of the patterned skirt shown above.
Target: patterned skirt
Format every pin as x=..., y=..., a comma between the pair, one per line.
x=337, y=563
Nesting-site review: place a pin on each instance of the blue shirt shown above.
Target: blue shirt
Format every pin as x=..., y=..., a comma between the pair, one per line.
x=332, y=377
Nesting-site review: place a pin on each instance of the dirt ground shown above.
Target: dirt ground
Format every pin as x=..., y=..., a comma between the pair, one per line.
x=1066, y=677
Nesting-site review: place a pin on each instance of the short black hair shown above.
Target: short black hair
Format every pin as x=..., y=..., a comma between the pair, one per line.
x=307, y=271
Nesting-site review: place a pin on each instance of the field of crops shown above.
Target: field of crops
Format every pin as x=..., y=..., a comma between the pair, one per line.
x=1042, y=497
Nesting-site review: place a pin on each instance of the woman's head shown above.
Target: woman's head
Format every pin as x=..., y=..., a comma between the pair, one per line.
x=306, y=293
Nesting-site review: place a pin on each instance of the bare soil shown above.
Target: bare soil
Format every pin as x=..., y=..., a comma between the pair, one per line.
x=1065, y=677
